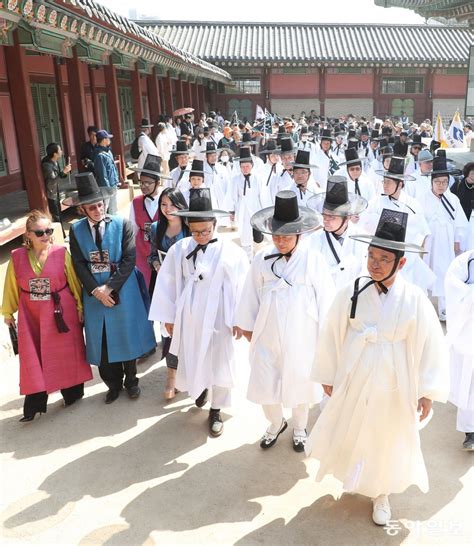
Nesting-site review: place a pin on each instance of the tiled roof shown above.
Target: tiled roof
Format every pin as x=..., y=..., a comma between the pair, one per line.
x=258, y=43
x=447, y=9
x=93, y=10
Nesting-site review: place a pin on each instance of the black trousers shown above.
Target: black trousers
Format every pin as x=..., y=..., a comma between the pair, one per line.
x=55, y=211
x=117, y=375
x=37, y=402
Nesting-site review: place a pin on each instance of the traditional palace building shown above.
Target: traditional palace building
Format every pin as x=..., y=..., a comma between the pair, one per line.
x=67, y=64
x=334, y=69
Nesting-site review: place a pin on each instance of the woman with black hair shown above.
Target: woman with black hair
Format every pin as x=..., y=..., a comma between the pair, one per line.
x=164, y=234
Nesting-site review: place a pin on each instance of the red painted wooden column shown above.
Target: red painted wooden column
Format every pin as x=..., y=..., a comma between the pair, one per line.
x=266, y=89
x=196, y=102
x=322, y=91
x=187, y=95
x=25, y=124
x=154, y=99
x=113, y=106
x=179, y=93
x=137, y=98
x=67, y=145
x=376, y=92
x=202, y=98
x=428, y=94
x=77, y=101
x=168, y=92
x=94, y=95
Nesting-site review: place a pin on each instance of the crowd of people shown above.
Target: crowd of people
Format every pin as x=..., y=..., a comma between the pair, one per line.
x=347, y=229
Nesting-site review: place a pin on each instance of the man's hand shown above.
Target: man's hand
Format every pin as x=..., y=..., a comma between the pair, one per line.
x=424, y=407
x=67, y=169
x=327, y=389
x=169, y=328
x=102, y=293
x=237, y=332
x=80, y=316
x=10, y=321
x=247, y=335
x=156, y=265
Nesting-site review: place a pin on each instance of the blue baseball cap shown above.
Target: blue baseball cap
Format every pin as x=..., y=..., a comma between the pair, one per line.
x=103, y=134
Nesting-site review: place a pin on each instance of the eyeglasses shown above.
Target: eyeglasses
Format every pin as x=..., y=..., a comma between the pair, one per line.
x=150, y=183
x=380, y=261
x=440, y=182
x=203, y=233
x=41, y=232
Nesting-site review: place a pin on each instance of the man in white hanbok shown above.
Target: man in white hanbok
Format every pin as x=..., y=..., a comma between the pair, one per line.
x=303, y=184
x=271, y=172
x=196, y=292
x=245, y=189
x=180, y=174
x=357, y=181
x=307, y=146
x=448, y=225
x=284, y=301
x=382, y=360
x=420, y=183
x=145, y=144
x=345, y=257
x=325, y=161
x=217, y=178
x=381, y=164
x=287, y=156
x=395, y=198
x=459, y=289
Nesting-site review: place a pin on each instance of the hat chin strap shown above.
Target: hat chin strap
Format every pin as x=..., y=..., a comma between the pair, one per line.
x=357, y=291
x=279, y=255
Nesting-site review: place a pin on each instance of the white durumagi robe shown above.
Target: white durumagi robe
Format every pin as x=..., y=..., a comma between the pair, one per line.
x=304, y=196
x=323, y=162
x=216, y=178
x=285, y=316
x=445, y=231
x=366, y=186
x=270, y=175
x=459, y=286
x=245, y=202
x=200, y=301
x=380, y=364
x=415, y=270
x=351, y=255
x=418, y=187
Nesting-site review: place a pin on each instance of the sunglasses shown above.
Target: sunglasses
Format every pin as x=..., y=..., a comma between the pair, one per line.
x=41, y=232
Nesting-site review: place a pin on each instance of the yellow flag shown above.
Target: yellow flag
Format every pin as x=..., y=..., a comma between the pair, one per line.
x=439, y=134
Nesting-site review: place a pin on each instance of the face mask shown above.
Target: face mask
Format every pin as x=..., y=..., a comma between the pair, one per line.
x=304, y=138
x=224, y=158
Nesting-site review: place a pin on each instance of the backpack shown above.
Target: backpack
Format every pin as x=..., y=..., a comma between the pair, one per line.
x=134, y=150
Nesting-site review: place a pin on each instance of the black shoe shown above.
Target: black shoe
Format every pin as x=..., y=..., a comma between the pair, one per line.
x=201, y=399
x=216, y=425
x=269, y=440
x=134, y=392
x=111, y=396
x=299, y=442
x=70, y=403
x=27, y=418
x=468, y=444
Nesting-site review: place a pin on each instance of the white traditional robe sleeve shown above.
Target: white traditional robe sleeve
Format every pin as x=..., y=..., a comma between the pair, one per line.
x=379, y=363
x=459, y=286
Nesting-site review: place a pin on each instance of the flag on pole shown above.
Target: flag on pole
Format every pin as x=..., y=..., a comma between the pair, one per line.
x=456, y=133
x=259, y=113
x=439, y=134
x=235, y=118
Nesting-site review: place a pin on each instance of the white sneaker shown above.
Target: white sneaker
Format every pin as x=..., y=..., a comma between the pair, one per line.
x=381, y=514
